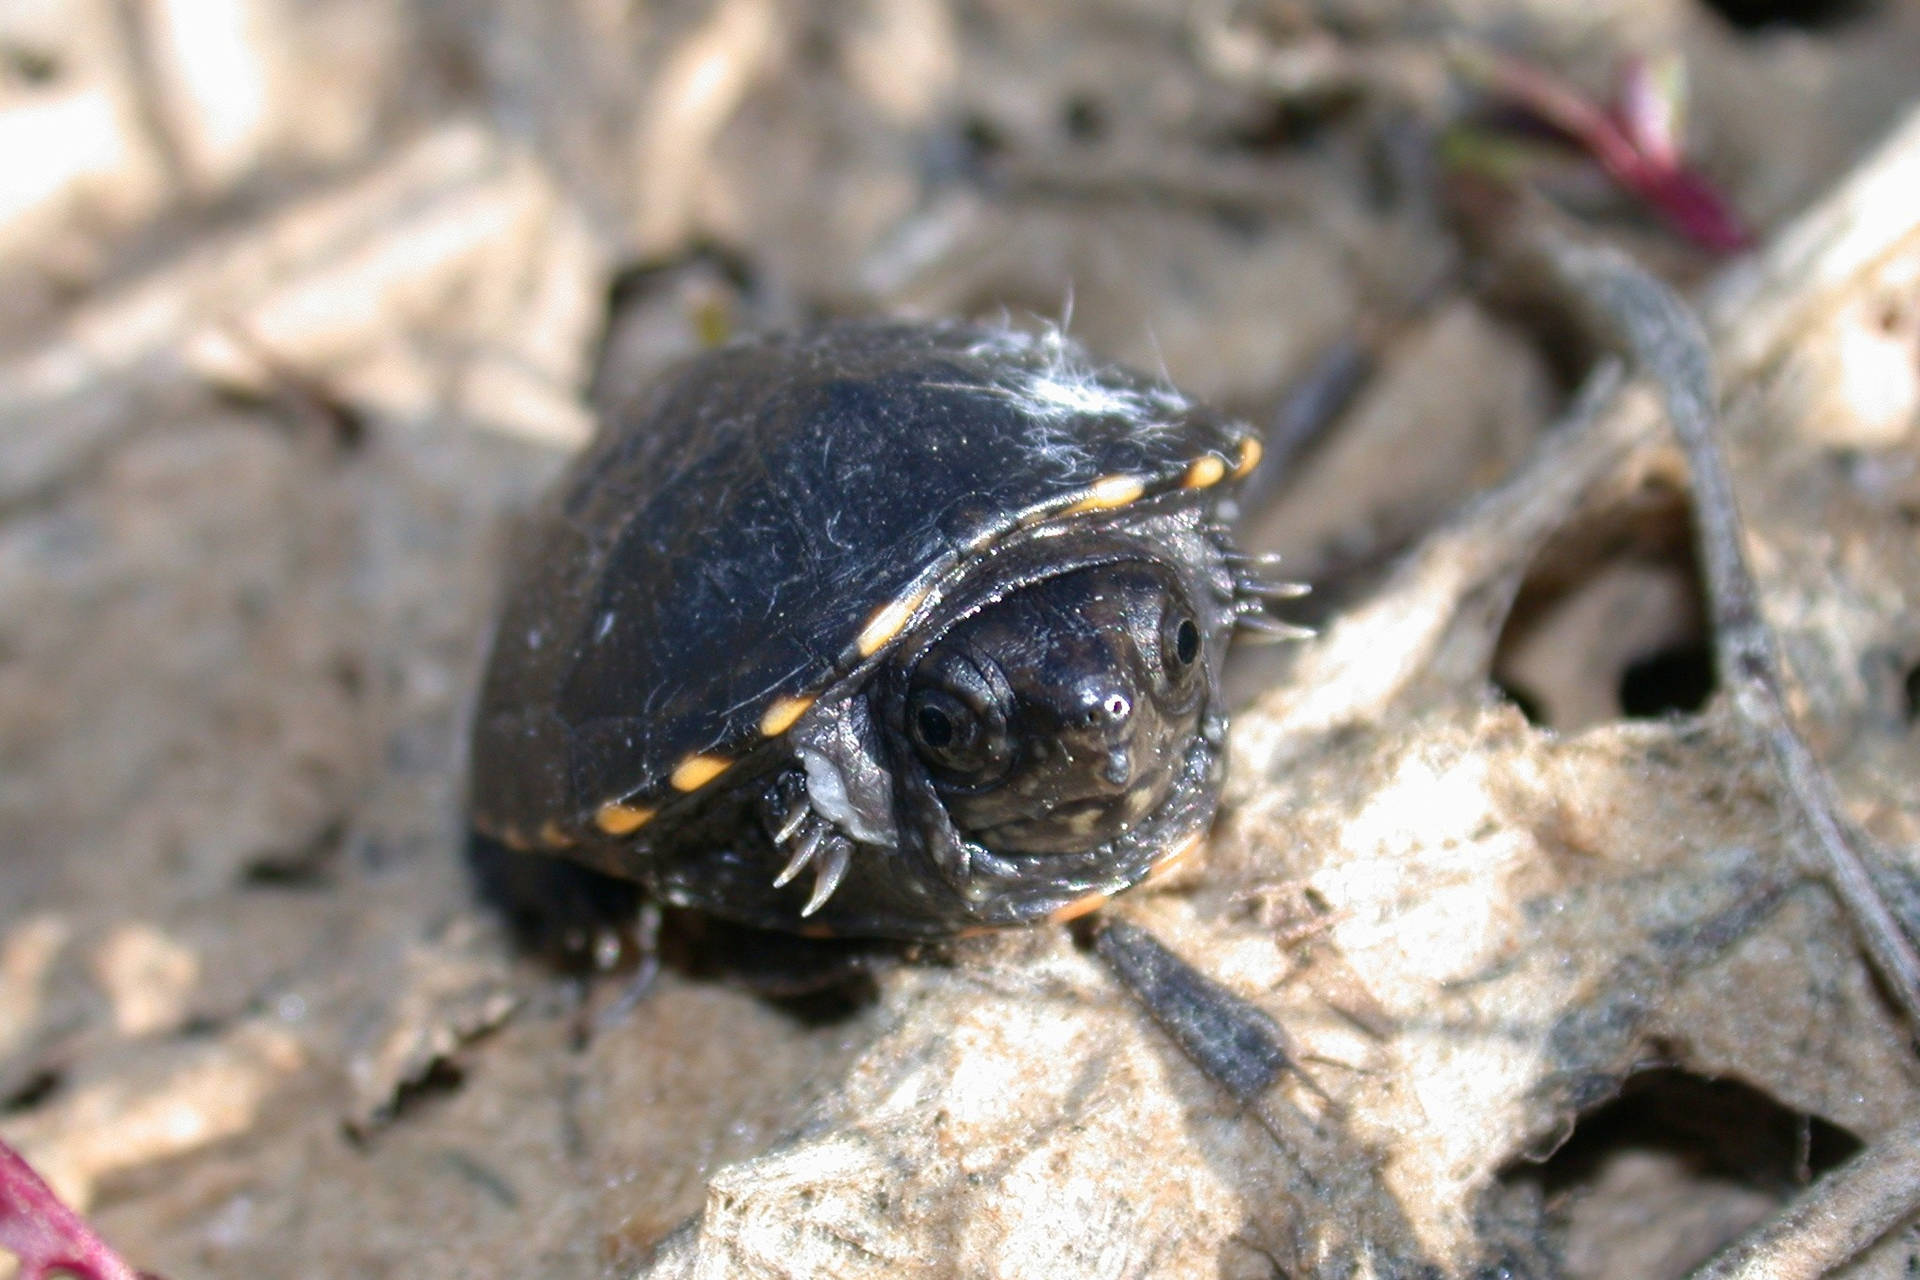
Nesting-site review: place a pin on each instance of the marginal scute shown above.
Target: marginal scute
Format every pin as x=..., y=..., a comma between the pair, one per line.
x=782, y=712
x=886, y=623
x=1249, y=457
x=621, y=819
x=1109, y=492
x=1204, y=472
x=552, y=837
x=697, y=771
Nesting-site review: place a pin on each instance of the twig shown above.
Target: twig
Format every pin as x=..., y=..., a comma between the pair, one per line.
x=1652, y=325
x=1835, y=1218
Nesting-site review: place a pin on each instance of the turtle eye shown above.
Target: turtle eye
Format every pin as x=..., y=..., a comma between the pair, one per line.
x=1179, y=645
x=953, y=737
x=935, y=726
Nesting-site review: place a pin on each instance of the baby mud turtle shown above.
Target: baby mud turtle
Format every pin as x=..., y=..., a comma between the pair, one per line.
x=934, y=613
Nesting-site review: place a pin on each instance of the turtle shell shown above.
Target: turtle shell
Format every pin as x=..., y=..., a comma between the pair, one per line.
x=761, y=528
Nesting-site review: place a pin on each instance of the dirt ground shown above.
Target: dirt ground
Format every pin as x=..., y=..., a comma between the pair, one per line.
x=301, y=303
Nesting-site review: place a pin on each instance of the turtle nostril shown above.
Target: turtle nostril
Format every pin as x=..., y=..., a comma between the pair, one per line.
x=1112, y=709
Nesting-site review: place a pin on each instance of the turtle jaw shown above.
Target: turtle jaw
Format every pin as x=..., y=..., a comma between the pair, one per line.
x=998, y=888
x=1021, y=888
x=1110, y=777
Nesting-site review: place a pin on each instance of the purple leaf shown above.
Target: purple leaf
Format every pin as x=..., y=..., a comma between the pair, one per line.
x=1635, y=144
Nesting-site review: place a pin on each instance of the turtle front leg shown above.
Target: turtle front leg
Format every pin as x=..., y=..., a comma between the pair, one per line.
x=807, y=837
x=839, y=794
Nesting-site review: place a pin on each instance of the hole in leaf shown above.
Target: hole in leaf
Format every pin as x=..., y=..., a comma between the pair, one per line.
x=1674, y=1167
x=1678, y=679
x=1611, y=619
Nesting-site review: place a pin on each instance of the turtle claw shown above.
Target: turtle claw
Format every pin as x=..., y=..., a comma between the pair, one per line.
x=1258, y=560
x=832, y=869
x=1251, y=604
x=791, y=821
x=812, y=840
x=803, y=851
x=1250, y=585
x=1272, y=630
x=1257, y=578
x=1257, y=585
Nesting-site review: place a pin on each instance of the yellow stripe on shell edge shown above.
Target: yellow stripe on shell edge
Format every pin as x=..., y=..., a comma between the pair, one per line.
x=781, y=713
x=886, y=623
x=1249, y=457
x=697, y=771
x=621, y=819
x=1107, y=493
x=1204, y=472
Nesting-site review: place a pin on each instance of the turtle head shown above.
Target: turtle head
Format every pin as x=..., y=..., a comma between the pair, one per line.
x=1056, y=717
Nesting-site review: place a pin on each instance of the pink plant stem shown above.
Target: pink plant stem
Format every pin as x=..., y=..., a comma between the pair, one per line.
x=48, y=1238
x=1651, y=172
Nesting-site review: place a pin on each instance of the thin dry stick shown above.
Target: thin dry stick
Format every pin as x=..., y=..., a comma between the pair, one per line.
x=1835, y=1218
x=1663, y=336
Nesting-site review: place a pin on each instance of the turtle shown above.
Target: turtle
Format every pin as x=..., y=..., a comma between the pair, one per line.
x=876, y=629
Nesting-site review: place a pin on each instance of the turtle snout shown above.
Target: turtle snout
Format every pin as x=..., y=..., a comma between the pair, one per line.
x=1105, y=706
x=1105, y=725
